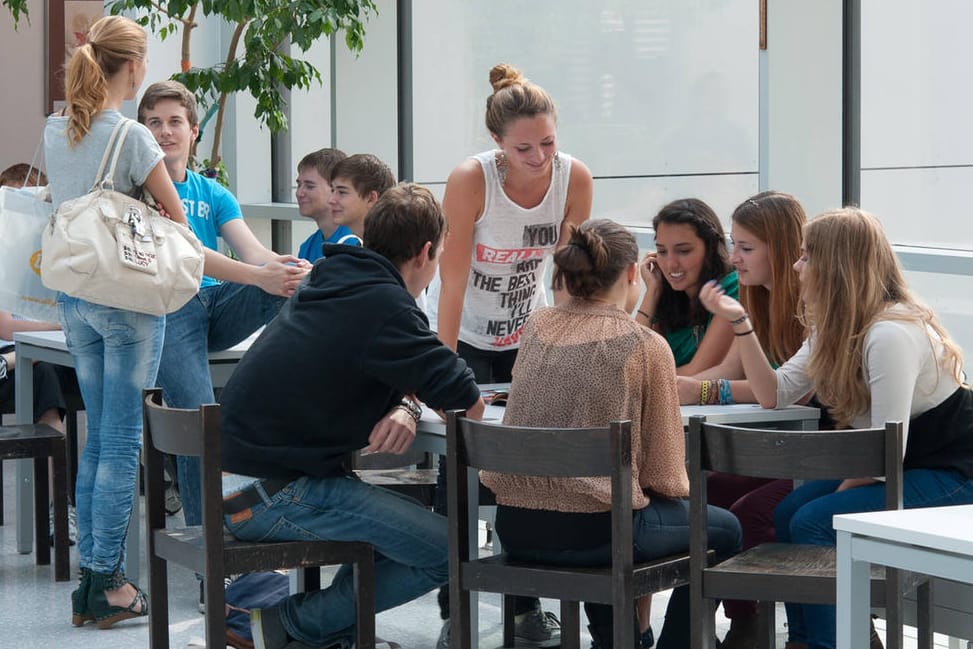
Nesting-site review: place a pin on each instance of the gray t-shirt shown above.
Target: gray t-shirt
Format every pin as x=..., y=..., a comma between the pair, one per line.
x=71, y=169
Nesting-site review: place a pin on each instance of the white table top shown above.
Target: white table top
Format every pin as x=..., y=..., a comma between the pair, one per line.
x=738, y=413
x=54, y=340
x=948, y=529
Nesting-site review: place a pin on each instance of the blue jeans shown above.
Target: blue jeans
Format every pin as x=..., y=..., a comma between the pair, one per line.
x=411, y=549
x=659, y=530
x=219, y=317
x=116, y=354
x=805, y=516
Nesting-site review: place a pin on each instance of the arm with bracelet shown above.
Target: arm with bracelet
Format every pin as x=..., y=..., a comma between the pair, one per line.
x=756, y=367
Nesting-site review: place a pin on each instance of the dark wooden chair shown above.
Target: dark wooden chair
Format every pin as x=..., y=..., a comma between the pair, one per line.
x=74, y=406
x=208, y=549
x=777, y=572
x=560, y=453
x=40, y=442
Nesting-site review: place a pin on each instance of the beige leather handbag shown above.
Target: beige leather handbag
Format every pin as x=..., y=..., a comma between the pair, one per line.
x=109, y=248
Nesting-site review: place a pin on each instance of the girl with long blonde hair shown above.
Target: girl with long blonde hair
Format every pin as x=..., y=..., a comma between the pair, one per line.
x=115, y=352
x=874, y=354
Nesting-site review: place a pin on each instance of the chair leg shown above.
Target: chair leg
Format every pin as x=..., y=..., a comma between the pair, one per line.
x=508, y=621
x=215, y=598
x=570, y=625
x=62, y=562
x=1, y=493
x=766, y=625
x=42, y=521
x=312, y=579
x=364, y=579
x=924, y=614
x=159, y=600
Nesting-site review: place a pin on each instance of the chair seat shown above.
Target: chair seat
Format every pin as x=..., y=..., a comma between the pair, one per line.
x=761, y=572
x=500, y=574
x=186, y=547
x=26, y=440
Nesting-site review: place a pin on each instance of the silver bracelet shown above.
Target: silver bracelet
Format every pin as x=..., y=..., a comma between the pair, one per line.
x=411, y=407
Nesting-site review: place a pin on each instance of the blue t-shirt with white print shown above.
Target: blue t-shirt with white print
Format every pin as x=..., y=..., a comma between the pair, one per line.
x=311, y=248
x=208, y=205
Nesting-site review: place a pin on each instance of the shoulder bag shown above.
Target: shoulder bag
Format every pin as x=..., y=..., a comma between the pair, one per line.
x=109, y=248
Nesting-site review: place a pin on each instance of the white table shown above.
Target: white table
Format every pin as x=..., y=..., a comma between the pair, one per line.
x=936, y=541
x=49, y=346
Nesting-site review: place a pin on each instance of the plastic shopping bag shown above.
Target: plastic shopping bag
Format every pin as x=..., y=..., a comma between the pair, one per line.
x=23, y=215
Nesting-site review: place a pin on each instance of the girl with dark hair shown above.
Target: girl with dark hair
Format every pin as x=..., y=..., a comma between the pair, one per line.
x=690, y=250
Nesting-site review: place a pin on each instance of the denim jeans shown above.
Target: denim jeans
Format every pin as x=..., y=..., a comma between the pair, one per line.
x=219, y=317
x=659, y=530
x=805, y=516
x=116, y=354
x=411, y=549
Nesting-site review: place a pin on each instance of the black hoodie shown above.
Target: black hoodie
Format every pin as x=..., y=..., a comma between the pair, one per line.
x=341, y=353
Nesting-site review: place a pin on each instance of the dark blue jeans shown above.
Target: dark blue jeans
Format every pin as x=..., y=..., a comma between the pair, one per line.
x=659, y=530
x=411, y=549
x=805, y=516
x=217, y=318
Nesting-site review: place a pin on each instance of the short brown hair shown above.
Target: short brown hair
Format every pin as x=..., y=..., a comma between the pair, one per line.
x=402, y=221
x=366, y=172
x=22, y=175
x=322, y=160
x=162, y=90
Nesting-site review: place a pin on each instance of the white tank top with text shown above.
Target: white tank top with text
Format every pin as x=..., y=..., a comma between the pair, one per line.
x=511, y=246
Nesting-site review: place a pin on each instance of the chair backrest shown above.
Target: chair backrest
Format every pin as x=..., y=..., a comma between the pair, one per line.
x=799, y=455
x=545, y=452
x=176, y=431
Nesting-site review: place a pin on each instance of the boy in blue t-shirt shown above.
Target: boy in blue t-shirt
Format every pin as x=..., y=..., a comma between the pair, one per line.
x=313, y=201
x=239, y=297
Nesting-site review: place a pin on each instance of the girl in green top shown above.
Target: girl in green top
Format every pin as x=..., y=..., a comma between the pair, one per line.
x=690, y=251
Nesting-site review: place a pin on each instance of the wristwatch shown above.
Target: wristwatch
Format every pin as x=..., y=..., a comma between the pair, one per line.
x=3, y=368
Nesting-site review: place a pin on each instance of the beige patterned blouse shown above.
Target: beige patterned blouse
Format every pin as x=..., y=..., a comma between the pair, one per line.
x=586, y=363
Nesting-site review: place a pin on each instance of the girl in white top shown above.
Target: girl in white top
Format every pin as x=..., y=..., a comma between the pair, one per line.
x=507, y=211
x=875, y=354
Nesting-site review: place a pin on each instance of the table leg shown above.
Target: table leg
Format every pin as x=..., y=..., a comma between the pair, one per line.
x=24, y=405
x=854, y=596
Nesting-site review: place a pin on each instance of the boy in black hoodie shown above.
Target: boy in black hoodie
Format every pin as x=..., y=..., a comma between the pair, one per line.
x=335, y=372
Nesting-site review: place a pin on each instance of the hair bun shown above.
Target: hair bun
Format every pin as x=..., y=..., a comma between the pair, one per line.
x=504, y=75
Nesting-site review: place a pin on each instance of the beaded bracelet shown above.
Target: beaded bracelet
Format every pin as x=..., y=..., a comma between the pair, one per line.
x=726, y=397
x=703, y=392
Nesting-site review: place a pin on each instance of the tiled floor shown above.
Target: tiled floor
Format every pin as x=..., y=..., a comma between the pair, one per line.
x=35, y=610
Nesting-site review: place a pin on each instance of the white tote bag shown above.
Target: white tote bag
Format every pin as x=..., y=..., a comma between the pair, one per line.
x=23, y=214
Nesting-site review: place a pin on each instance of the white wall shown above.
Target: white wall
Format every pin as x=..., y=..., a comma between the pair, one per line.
x=22, y=76
x=803, y=82
x=917, y=131
x=658, y=99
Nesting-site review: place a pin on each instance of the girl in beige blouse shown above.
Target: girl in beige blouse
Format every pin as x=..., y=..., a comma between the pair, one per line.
x=585, y=363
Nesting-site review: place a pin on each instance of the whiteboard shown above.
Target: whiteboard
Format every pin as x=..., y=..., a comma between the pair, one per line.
x=643, y=88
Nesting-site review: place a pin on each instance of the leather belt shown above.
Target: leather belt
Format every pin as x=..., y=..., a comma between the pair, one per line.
x=250, y=496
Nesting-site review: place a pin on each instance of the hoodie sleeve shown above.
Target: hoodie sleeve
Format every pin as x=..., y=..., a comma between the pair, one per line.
x=406, y=354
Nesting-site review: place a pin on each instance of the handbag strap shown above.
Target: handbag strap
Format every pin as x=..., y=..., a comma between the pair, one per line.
x=113, y=148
